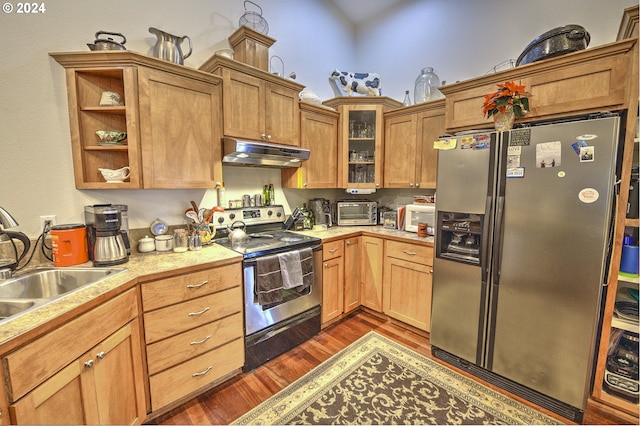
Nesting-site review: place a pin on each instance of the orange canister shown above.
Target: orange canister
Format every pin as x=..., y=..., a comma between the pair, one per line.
x=69, y=244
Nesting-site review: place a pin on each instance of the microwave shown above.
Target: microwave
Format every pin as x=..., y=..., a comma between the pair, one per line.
x=420, y=213
x=356, y=212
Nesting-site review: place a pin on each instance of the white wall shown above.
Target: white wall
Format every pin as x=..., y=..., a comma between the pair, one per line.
x=457, y=37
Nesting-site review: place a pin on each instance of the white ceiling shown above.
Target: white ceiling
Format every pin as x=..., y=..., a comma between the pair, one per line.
x=358, y=11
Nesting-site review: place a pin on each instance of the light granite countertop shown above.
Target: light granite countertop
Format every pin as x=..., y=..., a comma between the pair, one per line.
x=140, y=267
x=149, y=266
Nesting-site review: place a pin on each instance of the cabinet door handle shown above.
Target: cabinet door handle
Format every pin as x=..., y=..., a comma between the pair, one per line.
x=417, y=185
x=194, y=314
x=199, y=342
x=348, y=243
x=198, y=285
x=100, y=355
x=410, y=253
x=89, y=363
x=431, y=271
x=202, y=373
x=326, y=265
x=410, y=184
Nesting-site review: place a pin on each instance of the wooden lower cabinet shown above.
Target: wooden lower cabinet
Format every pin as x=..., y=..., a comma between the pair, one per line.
x=407, y=283
x=371, y=267
x=352, y=273
x=193, y=331
x=332, y=280
x=87, y=371
x=104, y=386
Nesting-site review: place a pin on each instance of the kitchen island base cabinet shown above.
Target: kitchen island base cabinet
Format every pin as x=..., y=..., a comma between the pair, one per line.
x=407, y=283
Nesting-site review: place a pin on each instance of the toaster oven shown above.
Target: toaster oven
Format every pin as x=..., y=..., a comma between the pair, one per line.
x=356, y=212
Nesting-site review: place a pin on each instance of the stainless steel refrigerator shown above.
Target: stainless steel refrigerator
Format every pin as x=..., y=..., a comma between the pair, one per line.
x=523, y=229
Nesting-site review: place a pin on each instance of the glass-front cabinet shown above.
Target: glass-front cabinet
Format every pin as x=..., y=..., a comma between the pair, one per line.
x=360, y=138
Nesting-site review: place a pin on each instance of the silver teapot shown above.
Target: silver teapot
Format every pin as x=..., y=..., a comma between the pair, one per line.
x=107, y=43
x=167, y=46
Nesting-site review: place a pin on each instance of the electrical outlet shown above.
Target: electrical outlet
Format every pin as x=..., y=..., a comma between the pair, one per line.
x=49, y=220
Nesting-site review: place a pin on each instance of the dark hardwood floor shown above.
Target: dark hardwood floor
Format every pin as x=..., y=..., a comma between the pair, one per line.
x=230, y=400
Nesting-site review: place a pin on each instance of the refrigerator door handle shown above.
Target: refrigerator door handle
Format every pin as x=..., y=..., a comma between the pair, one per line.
x=497, y=254
x=484, y=253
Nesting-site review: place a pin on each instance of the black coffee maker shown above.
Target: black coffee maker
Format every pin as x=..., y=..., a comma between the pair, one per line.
x=108, y=242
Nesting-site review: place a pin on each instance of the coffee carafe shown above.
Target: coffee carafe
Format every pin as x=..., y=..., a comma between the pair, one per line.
x=108, y=243
x=320, y=207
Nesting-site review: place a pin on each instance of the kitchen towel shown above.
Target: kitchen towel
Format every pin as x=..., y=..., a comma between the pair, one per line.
x=268, y=280
x=290, y=269
x=306, y=263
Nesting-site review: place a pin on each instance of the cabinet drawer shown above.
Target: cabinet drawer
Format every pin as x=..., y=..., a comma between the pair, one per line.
x=332, y=250
x=35, y=362
x=161, y=293
x=410, y=252
x=174, y=350
x=188, y=376
x=175, y=319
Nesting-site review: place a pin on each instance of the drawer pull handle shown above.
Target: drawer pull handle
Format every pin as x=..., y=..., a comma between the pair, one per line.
x=410, y=253
x=202, y=373
x=89, y=363
x=194, y=314
x=431, y=271
x=198, y=285
x=333, y=250
x=100, y=355
x=199, y=342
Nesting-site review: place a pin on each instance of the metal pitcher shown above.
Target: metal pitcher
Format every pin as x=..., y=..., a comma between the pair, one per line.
x=168, y=46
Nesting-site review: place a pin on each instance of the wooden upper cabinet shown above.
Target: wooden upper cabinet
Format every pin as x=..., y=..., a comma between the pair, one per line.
x=318, y=133
x=182, y=125
x=361, y=139
x=171, y=114
x=590, y=80
x=409, y=158
x=257, y=105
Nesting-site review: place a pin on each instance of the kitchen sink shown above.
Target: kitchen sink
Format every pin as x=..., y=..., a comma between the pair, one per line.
x=11, y=307
x=35, y=288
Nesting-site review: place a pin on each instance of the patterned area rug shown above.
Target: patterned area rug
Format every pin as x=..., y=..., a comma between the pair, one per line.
x=377, y=381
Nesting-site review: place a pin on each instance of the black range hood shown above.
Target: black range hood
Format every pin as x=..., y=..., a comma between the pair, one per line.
x=242, y=152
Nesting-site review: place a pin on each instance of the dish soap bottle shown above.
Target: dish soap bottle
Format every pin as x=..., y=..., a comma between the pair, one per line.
x=427, y=85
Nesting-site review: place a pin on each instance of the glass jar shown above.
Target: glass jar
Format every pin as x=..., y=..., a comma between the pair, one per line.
x=180, y=240
x=427, y=85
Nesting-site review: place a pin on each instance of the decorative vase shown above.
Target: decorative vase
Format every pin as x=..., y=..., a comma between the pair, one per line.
x=504, y=120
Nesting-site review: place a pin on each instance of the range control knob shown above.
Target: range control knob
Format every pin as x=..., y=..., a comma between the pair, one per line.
x=279, y=214
x=269, y=212
x=232, y=216
x=220, y=219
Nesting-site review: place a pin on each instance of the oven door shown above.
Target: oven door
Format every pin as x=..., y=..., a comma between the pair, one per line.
x=259, y=317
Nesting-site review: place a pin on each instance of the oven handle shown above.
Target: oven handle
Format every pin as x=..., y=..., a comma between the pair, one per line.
x=253, y=261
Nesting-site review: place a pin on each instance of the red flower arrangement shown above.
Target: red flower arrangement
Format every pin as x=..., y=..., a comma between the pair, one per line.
x=507, y=94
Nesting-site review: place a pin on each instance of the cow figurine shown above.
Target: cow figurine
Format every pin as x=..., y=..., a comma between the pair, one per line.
x=349, y=82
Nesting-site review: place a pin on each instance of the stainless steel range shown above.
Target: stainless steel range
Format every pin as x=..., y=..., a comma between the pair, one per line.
x=282, y=278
